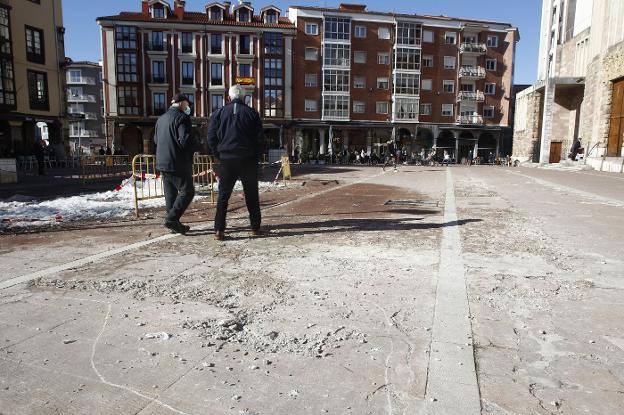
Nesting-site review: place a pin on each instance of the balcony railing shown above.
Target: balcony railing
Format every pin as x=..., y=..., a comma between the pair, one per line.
x=470, y=96
x=84, y=133
x=156, y=47
x=345, y=62
x=470, y=120
x=81, y=98
x=158, y=80
x=472, y=72
x=84, y=80
x=473, y=48
x=91, y=116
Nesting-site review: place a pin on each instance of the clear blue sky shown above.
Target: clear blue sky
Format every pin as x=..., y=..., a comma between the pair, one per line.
x=82, y=36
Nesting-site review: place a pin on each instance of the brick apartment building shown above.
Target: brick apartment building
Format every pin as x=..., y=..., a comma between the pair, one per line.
x=151, y=55
x=360, y=77
x=428, y=81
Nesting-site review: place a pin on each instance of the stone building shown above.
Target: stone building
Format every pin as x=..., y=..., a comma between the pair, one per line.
x=580, y=87
x=32, y=79
x=85, y=107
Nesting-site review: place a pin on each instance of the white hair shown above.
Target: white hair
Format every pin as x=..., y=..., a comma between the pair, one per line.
x=235, y=92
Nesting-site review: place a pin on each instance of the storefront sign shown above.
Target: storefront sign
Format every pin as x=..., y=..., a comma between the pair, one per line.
x=242, y=80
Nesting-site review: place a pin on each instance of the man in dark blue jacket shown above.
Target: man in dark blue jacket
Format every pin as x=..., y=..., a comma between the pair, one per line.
x=175, y=146
x=235, y=135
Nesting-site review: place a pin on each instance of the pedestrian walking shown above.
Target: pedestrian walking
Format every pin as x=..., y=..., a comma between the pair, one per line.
x=574, y=149
x=39, y=152
x=175, y=146
x=235, y=136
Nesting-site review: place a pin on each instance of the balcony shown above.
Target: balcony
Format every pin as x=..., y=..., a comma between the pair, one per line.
x=159, y=80
x=470, y=120
x=81, y=98
x=343, y=63
x=473, y=48
x=84, y=133
x=156, y=47
x=472, y=72
x=469, y=96
x=83, y=80
x=91, y=116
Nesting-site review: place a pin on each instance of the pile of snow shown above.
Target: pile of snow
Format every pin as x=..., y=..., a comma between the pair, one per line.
x=28, y=212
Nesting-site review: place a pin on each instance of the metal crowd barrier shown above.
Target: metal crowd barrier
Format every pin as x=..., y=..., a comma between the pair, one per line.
x=98, y=167
x=147, y=183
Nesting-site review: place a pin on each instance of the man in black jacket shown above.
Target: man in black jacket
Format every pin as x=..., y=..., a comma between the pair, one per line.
x=175, y=145
x=234, y=136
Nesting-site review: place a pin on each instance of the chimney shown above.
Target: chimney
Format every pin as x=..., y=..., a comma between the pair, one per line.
x=144, y=6
x=178, y=8
x=228, y=7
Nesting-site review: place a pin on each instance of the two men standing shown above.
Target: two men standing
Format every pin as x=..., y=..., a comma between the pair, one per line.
x=235, y=135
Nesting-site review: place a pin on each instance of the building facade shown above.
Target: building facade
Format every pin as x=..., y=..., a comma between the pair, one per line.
x=32, y=55
x=151, y=55
x=85, y=107
x=367, y=77
x=579, y=91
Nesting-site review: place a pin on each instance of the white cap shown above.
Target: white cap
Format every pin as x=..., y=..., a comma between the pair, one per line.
x=235, y=92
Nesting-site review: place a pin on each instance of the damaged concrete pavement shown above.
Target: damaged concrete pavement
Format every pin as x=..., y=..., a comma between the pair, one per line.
x=430, y=290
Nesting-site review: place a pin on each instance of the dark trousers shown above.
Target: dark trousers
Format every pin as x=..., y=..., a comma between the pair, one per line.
x=179, y=193
x=41, y=167
x=231, y=170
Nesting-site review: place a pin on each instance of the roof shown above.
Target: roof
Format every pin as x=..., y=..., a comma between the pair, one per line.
x=81, y=63
x=198, y=18
x=441, y=17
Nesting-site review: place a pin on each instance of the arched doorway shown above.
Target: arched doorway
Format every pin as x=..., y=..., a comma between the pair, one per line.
x=424, y=139
x=131, y=141
x=487, y=146
x=466, y=146
x=445, y=142
x=310, y=148
x=405, y=140
x=6, y=144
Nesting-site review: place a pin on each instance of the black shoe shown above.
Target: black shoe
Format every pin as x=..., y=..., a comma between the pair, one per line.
x=219, y=236
x=257, y=233
x=177, y=227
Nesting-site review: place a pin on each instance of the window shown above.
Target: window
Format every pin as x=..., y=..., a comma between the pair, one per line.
x=427, y=61
x=428, y=36
x=407, y=84
x=126, y=37
x=470, y=39
x=216, y=101
x=337, y=28
x=127, y=67
x=158, y=41
x=336, y=106
x=448, y=110
x=159, y=106
x=337, y=55
x=273, y=103
x=311, y=54
x=243, y=15
x=216, y=13
x=359, y=32
x=158, y=72
x=488, y=112
x=216, y=74
x=383, y=58
x=490, y=64
x=467, y=87
x=188, y=73
x=273, y=43
x=359, y=82
x=492, y=41
x=187, y=42
x=5, y=31
x=381, y=107
x=490, y=89
x=335, y=81
x=158, y=11
x=359, y=107
x=408, y=59
x=406, y=108
x=359, y=57
x=448, y=87
x=382, y=83
x=408, y=33
x=7, y=82
x=383, y=33
x=248, y=100
x=425, y=109
x=271, y=17
x=191, y=98
x=311, y=80
x=449, y=62
x=34, y=45
x=75, y=76
x=244, y=70
x=128, y=100
x=244, y=44
x=450, y=38
x=38, y=90
x=215, y=44
x=311, y=29
x=273, y=72
x=311, y=105
x=426, y=85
